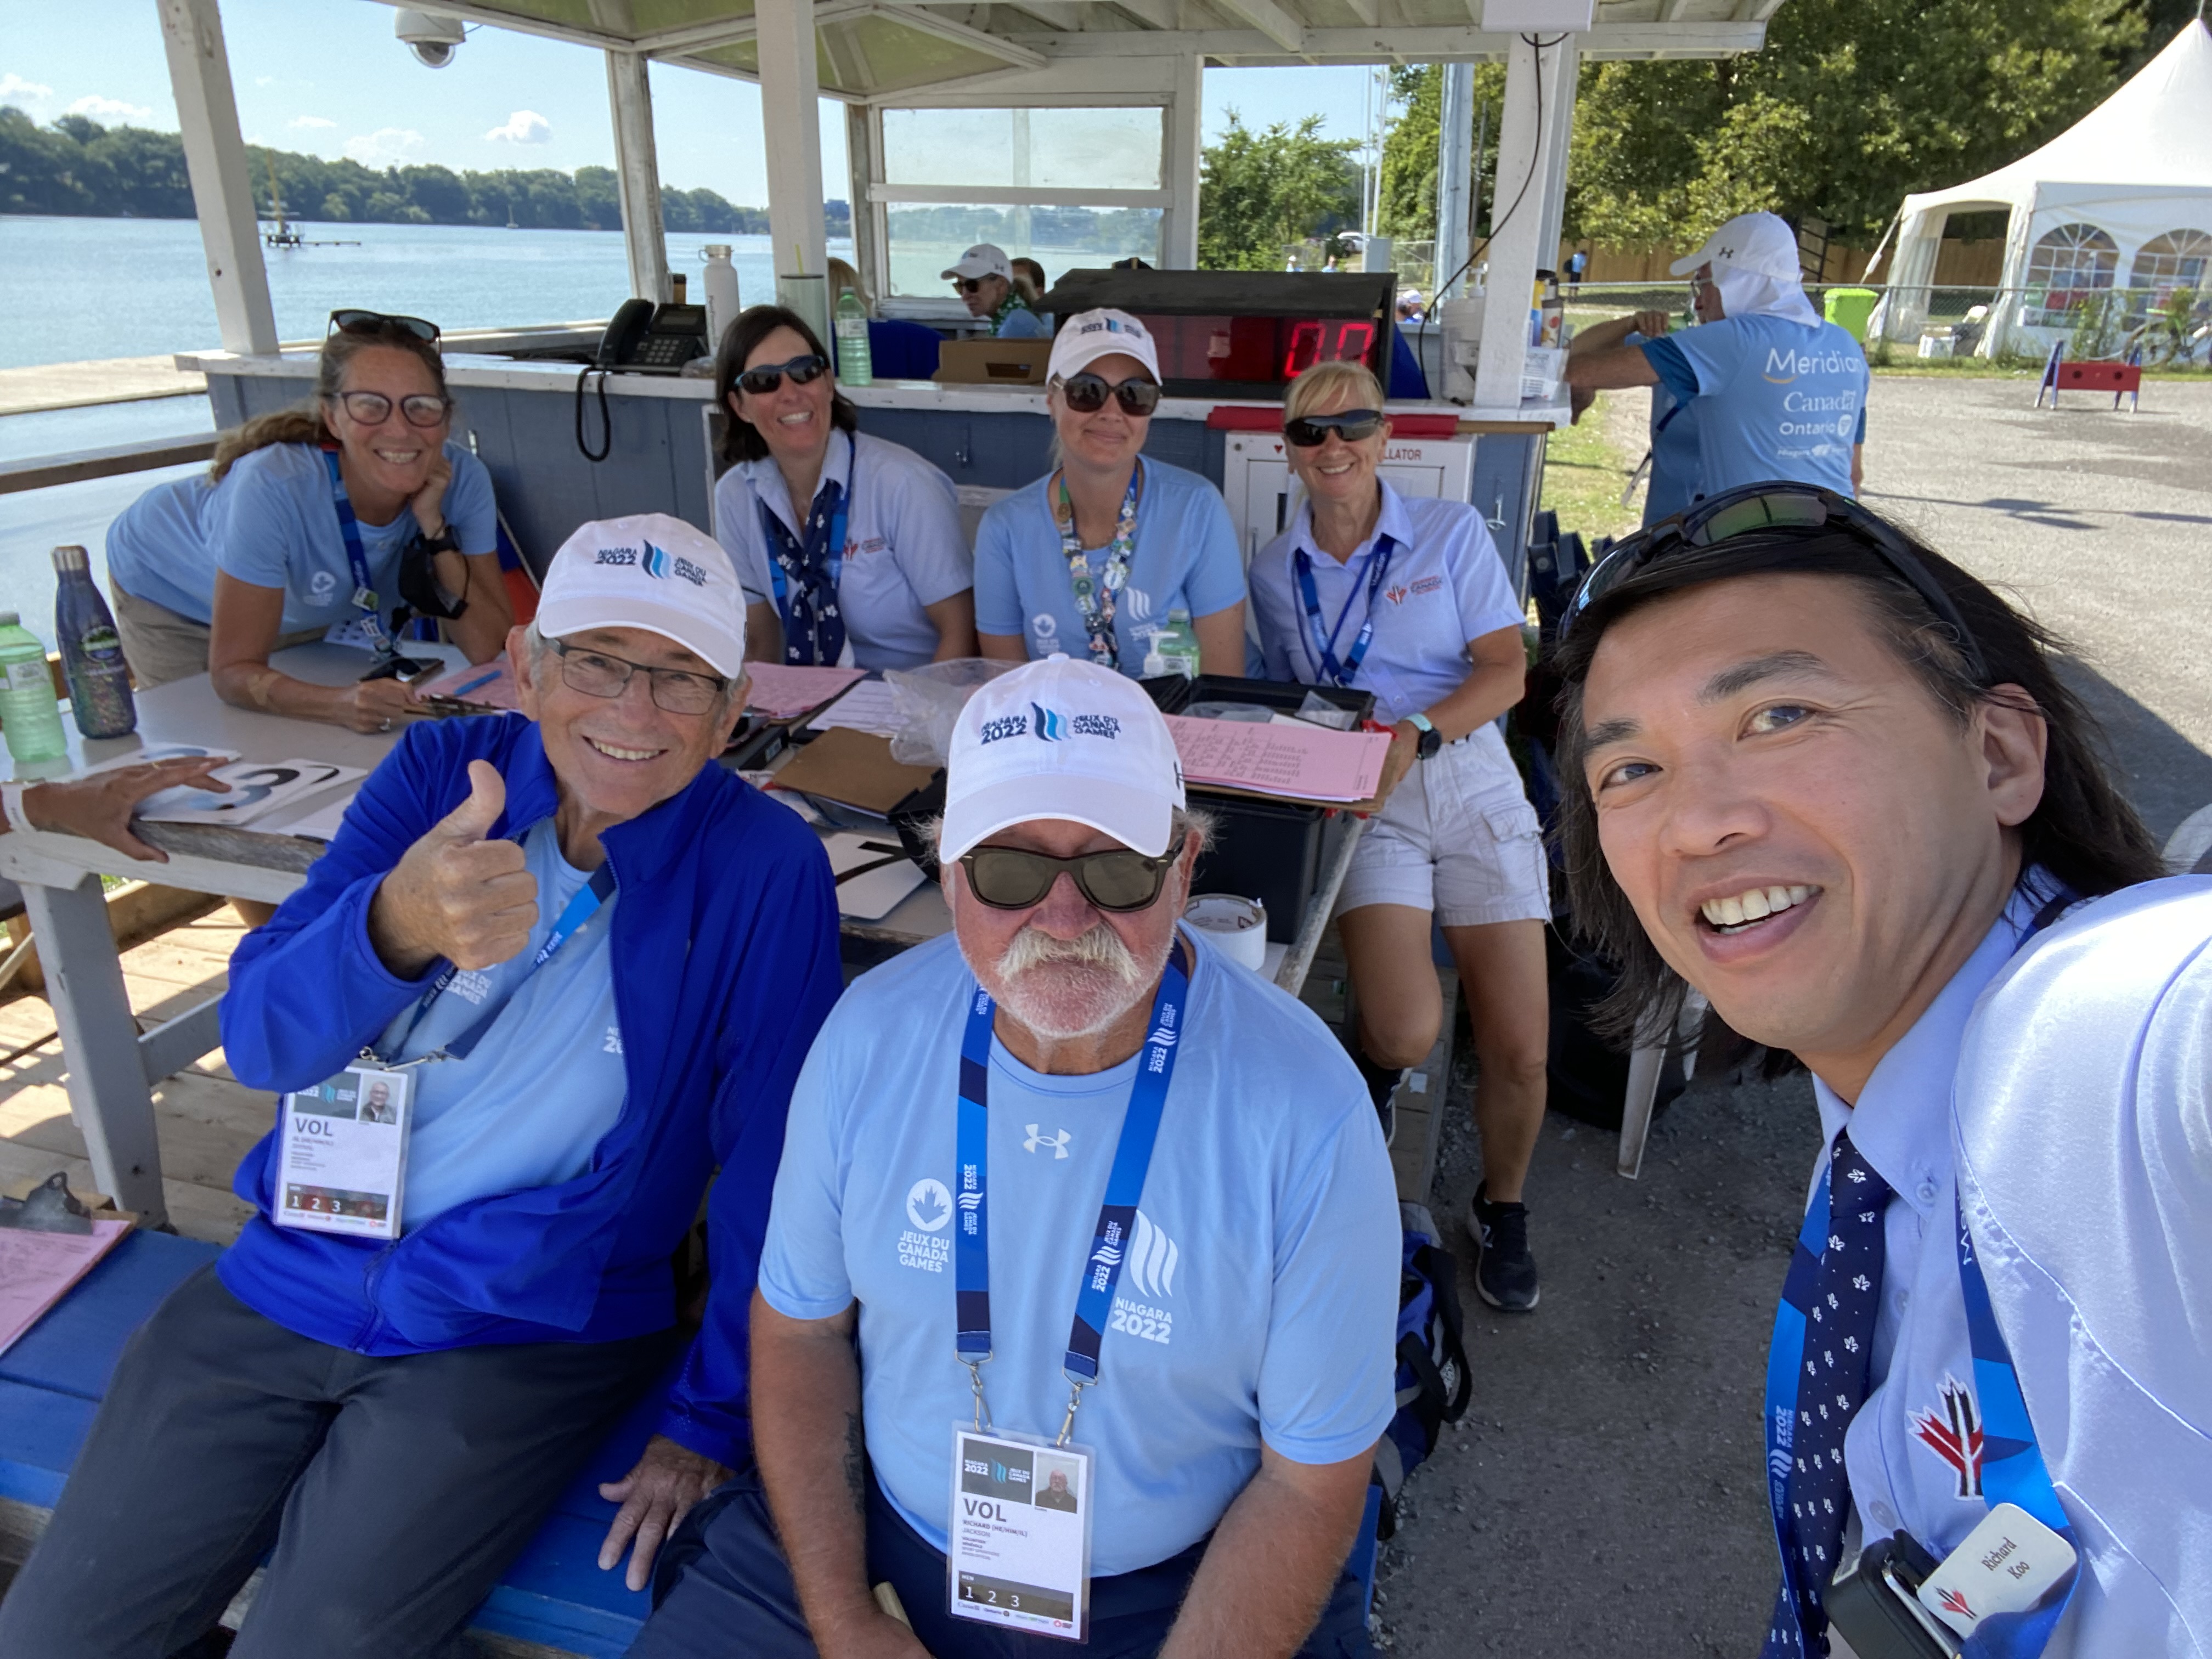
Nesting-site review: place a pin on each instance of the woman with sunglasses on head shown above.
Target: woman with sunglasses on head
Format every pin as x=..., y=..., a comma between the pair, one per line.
x=874, y=573
x=1406, y=598
x=317, y=516
x=1090, y=559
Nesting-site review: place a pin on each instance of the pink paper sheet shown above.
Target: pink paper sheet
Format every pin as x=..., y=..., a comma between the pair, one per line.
x=498, y=691
x=782, y=689
x=1306, y=762
x=37, y=1269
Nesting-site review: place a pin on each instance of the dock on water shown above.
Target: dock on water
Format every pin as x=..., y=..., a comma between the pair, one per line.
x=42, y=386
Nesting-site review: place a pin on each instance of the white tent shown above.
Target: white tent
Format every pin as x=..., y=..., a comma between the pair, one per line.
x=2122, y=199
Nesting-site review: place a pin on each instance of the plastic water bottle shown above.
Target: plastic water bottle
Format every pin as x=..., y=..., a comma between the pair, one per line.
x=856, y=364
x=92, y=651
x=30, y=714
x=718, y=286
x=1174, y=649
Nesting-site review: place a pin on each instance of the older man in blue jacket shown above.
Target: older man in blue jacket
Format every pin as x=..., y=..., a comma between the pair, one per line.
x=591, y=960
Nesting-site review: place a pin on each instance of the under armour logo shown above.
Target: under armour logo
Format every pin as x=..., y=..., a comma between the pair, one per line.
x=1035, y=1141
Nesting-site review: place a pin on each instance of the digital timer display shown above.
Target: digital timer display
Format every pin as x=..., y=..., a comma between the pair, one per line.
x=1218, y=352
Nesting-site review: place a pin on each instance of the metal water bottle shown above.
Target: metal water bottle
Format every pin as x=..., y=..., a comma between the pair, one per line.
x=92, y=651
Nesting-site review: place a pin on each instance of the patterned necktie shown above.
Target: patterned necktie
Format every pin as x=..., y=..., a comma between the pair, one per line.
x=1832, y=1385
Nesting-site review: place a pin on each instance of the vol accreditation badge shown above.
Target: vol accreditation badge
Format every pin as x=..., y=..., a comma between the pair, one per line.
x=1018, y=1550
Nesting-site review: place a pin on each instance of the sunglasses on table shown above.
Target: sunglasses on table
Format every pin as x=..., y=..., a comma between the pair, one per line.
x=804, y=371
x=375, y=322
x=1013, y=878
x=1353, y=425
x=596, y=674
x=1086, y=394
x=1765, y=508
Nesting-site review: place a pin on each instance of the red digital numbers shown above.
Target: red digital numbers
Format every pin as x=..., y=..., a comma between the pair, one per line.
x=1311, y=344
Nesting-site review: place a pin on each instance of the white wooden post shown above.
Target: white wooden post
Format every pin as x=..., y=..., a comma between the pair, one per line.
x=791, y=130
x=1559, y=116
x=1454, y=176
x=1179, y=164
x=222, y=192
x=863, y=156
x=637, y=173
x=1517, y=217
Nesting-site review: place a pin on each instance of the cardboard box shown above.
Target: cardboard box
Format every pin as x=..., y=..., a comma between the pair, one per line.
x=993, y=362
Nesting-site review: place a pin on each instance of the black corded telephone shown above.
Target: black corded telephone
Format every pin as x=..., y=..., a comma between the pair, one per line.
x=645, y=338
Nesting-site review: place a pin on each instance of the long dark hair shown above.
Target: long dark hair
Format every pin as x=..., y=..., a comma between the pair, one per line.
x=741, y=439
x=303, y=422
x=2083, y=830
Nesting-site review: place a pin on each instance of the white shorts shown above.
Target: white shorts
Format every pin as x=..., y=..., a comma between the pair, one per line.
x=1457, y=836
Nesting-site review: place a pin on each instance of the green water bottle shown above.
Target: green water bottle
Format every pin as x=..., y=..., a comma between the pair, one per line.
x=1175, y=648
x=30, y=714
x=856, y=363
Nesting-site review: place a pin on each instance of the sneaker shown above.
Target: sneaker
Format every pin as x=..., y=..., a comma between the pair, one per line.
x=1504, y=1272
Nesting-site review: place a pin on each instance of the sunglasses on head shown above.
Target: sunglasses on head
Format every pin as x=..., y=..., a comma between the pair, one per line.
x=1013, y=878
x=1353, y=425
x=1086, y=394
x=1767, y=508
x=375, y=322
x=804, y=371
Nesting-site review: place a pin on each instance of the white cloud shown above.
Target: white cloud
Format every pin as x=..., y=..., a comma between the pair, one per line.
x=524, y=127
x=109, y=109
x=14, y=89
x=386, y=146
x=310, y=121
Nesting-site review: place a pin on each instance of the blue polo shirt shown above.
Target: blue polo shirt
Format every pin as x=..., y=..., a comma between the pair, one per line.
x=1677, y=456
x=272, y=521
x=1772, y=398
x=1186, y=557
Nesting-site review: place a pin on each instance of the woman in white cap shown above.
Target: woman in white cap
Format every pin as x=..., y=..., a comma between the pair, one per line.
x=1093, y=558
x=849, y=548
x=1776, y=392
x=1406, y=596
x=984, y=279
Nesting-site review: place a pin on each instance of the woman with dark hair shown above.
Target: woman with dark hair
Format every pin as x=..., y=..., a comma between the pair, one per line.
x=1826, y=777
x=849, y=548
x=311, y=517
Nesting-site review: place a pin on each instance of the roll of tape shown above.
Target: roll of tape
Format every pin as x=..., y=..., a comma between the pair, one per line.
x=1237, y=928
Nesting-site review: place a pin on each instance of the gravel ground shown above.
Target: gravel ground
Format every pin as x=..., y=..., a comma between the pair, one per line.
x=1605, y=1495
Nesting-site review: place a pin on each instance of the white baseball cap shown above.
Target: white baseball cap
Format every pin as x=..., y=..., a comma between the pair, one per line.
x=1061, y=739
x=1088, y=336
x=652, y=572
x=984, y=260
x=1760, y=243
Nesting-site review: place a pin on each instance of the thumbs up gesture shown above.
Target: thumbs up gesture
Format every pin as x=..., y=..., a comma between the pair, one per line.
x=455, y=894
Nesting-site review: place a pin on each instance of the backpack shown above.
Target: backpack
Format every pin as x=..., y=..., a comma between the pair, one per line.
x=1433, y=1381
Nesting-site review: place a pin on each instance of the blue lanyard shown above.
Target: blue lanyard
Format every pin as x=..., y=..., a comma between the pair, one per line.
x=1324, y=647
x=580, y=908
x=1782, y=1357
x=1125, y=1184
x=364, y=597
x=776, y=528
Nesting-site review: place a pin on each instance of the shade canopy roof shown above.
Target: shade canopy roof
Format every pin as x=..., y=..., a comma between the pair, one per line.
x=872, y=51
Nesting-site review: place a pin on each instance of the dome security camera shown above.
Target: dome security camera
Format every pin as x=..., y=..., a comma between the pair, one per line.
x=433, y=37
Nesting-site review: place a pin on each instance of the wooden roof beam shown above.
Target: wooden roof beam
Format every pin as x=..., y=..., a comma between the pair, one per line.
x=1271, y=19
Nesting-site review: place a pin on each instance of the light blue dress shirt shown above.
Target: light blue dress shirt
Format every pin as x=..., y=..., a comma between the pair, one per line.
x=1260, y=1300
x=1773, y=400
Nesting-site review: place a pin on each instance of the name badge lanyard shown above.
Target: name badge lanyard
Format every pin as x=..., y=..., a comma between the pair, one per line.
x=779, y=535
x=365, y=598
x=1094, y=595
x=1125, y=1186
x=1322, y=647
x=579, y=910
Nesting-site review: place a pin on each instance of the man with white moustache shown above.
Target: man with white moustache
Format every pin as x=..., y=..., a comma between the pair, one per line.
x=1064, y=1195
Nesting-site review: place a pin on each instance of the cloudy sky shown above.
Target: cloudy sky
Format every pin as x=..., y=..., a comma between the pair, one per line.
x=327, y=77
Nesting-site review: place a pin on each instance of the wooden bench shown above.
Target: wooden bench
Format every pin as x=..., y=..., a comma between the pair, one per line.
x=554, y=1599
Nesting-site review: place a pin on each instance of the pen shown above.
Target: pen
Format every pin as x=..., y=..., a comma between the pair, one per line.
x=485, y=679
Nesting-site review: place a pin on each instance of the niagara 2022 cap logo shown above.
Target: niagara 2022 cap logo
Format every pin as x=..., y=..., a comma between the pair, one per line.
x=1050, y=725
x=656, y=562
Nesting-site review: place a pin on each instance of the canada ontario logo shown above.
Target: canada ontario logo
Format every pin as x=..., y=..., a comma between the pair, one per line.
x=1954, y=1433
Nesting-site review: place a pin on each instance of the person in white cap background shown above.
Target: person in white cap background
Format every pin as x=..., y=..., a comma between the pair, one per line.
x=945, y=1195
x=984, y=279
x=1093, y=558
x=600, y=958
x=1776, y=392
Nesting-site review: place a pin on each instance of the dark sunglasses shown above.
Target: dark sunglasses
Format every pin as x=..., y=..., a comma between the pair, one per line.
x=1086, y=394
x=1753, y=509
x=1011, y=879
x=969, y=284
x=804, y=371
x=375, y=322
x=1353, y=425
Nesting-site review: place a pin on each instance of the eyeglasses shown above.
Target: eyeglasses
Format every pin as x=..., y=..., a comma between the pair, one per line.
x=1013, y=878
x=375, y=322
x=375, y=409
x=1751, y=509
x=596, y=674
x=1086, y=394
x=804, y=371
x=970, y=284
x=1353, y=425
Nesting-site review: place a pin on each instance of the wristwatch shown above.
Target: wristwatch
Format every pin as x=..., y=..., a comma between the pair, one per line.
x=443, y=542
x=1431, y=739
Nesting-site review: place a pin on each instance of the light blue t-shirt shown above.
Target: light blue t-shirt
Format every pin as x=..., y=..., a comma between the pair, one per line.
x=1020, y=323
x=1259, y=1301
x=529, y=1105
x=1677, y=456
x=1186, y=558
x=1773, y=400
x=272, y=521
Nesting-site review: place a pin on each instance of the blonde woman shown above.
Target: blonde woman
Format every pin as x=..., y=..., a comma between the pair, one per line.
x=1406, y=596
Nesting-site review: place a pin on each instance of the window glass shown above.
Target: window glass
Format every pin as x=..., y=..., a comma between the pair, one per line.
x=1055, y=150
x=925, y=240
x=2069, y=267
